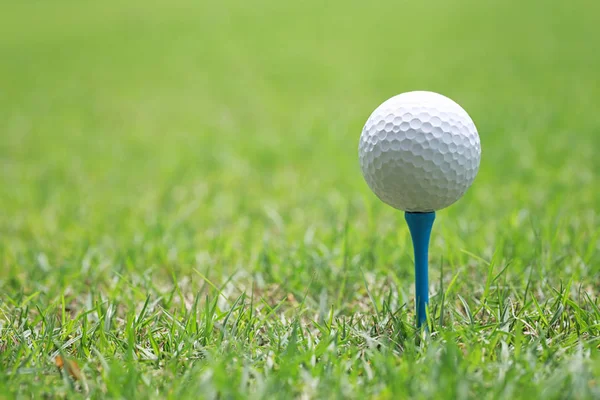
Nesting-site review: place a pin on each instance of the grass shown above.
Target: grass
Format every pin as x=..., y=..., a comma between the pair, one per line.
x=182, y=213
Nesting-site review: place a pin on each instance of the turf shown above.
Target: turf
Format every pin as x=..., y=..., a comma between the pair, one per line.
x=182, y=213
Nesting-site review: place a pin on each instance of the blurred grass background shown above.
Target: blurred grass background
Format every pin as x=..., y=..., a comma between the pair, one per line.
x=141, y=141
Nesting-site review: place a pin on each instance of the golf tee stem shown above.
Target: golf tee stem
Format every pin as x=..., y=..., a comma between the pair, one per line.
x=420, y=225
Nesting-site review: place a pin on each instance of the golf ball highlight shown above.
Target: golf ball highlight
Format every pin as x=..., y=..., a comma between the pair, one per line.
x=419, y=151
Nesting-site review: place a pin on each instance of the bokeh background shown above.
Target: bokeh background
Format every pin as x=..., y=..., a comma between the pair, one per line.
x=151, y=146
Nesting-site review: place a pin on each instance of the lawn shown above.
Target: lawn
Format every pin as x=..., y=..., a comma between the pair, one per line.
x=182, y=213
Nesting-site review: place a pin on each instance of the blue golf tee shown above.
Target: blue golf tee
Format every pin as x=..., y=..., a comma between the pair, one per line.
x=420, y=225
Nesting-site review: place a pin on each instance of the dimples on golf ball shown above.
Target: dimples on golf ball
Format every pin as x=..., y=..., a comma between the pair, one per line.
x=419, y=151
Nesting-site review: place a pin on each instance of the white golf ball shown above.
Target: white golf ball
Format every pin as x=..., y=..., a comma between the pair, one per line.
x=419, y=151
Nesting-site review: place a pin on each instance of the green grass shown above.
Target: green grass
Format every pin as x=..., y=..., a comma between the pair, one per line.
x=182, y=212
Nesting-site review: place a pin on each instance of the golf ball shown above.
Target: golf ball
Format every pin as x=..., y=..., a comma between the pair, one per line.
x=419, y=151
